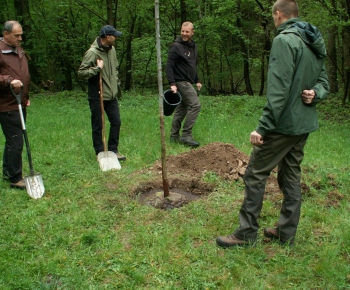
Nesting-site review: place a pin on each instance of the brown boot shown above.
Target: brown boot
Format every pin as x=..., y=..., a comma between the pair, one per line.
x=18, y=185
x=120, y=157
x=230, y=241
x=273, y=235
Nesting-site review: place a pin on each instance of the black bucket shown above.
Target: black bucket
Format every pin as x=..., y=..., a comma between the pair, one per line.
x=170, y=102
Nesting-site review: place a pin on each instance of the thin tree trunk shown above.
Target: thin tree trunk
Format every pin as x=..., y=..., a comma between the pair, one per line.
x=183, y=11
x=246, y=70
x=161, y=114
x=128, y=68
x=332, y=52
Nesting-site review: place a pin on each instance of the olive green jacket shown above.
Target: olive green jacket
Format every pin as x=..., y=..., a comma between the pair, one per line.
x=89, y=70
x=296, y=63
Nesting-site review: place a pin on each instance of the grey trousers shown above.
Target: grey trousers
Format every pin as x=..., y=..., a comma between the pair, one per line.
x=189, y=108
x=286, y=152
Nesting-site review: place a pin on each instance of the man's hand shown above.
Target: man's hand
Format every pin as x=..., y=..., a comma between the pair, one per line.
x=199, y=86
x=256, y=139
x=99, y=62
x=308, y=96
x=174, y=89
x=16, y=84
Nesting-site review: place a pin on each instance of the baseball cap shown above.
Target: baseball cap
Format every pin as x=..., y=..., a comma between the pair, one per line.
x=109, y=30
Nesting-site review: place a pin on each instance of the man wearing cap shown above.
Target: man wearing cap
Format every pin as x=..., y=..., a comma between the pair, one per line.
x=101, y=58
x=181, y=72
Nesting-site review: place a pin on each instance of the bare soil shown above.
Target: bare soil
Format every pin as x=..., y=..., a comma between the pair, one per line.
x=185, y=174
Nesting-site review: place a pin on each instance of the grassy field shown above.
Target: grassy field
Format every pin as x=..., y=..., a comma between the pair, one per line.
x=89, y=231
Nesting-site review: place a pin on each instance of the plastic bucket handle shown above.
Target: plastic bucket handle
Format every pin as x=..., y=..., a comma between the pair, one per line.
x=170, y=102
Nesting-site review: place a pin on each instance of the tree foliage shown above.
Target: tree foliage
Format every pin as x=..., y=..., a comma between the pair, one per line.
x=233, y=37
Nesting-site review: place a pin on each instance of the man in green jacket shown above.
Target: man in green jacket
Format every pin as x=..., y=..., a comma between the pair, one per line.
x=101, y=58
x=296, y=82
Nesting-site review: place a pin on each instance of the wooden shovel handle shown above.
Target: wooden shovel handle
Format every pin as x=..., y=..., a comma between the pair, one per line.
x=102, y=115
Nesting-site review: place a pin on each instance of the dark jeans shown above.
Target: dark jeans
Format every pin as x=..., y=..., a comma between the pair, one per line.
x=189, y=108
x=112, y=110
x=12, y=157
x=286, y=152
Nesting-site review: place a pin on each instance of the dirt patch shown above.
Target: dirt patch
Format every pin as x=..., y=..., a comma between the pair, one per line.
x=188, y=171
x=194, y=174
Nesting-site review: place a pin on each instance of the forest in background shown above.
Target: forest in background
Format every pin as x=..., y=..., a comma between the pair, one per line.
x=233, y=37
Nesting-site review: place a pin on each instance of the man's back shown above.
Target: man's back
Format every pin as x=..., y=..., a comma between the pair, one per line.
x=295, y=65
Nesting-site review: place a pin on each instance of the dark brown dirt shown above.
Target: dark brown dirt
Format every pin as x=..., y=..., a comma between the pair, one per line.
x=185, y=172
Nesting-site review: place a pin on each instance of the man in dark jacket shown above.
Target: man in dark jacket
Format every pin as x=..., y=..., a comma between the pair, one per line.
x=296, y=82
x=181, y=72
x=13, y=72
x=101, y=58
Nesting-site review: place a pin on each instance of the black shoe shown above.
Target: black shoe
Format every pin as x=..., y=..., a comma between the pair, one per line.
x=231, y=241
x=18, y=185
x=272, y=234
x=5, y=175
x=189, y=141
x=174, y=139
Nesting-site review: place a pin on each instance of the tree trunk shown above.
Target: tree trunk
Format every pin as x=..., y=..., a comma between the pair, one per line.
x=346, y=55
x=128, y=68
x=245, y=54
x=183, y=11
x=23, y=16
x=112, y=6
x=332, y=53
x=266, y=47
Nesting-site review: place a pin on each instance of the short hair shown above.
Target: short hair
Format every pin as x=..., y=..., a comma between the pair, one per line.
x=188, y=23
x=289, y=8
x=8, y=25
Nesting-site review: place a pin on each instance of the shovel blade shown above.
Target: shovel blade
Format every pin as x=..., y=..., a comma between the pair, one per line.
x=34, y=185
x=108, y=160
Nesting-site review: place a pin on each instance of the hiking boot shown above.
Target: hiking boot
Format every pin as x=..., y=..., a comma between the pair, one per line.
x=174, y=139
x=18, y=185
x=120, y=157
x=272, y=234
x=188, y=141
x=230, y=241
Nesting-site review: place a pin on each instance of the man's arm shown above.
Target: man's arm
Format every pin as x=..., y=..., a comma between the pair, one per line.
x=321, y=89
x=170, y=65
x=88, y=67
x=279, y=80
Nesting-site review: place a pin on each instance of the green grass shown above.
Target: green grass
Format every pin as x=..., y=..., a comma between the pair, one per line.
x=89, y=231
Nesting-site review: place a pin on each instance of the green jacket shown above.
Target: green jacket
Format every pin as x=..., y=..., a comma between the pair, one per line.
x=89, y=70
x=296, y=63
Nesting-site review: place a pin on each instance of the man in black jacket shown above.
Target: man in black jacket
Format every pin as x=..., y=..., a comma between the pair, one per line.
x=182, y=73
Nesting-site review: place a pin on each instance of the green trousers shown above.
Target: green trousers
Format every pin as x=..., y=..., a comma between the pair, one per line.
x=189, y=108
x=286, y=152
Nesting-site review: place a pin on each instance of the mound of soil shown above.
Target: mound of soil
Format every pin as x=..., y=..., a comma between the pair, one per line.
x=185, y=172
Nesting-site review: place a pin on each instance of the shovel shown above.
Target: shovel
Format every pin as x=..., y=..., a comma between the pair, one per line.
x=34, y=182
x=108, y=160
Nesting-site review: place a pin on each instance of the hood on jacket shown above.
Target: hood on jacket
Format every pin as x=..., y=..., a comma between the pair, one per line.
x=98, y=45
x=190, y=43
x=308, y=33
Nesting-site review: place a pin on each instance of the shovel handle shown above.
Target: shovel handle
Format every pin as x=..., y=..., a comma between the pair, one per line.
x=17, y=96
x=102, y=114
